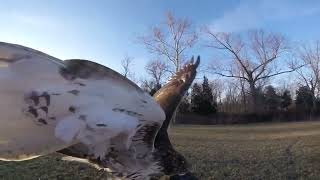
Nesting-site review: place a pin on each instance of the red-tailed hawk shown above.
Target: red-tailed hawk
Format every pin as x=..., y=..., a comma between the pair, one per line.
x=89, y=112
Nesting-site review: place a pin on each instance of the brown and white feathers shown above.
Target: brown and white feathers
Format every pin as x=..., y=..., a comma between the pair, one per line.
x=89, y=112
x=164, y=159
x=48, y=104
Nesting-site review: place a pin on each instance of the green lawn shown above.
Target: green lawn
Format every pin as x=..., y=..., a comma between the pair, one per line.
x=263, y=151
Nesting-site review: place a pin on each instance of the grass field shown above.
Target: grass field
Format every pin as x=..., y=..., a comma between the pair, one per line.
x=260, y=151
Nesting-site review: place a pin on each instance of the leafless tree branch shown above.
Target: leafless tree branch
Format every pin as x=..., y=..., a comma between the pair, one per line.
x=254, y=59
x=126, y=64
x=171, y=40
x=157, y=69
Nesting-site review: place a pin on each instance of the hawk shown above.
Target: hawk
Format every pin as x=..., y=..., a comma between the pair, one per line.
x=90, y=113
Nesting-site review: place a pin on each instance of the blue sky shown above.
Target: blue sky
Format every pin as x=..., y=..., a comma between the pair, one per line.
x=105, y=31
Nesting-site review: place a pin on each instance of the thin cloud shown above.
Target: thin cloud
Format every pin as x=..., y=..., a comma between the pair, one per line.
x=252, y=14
x=38, y=21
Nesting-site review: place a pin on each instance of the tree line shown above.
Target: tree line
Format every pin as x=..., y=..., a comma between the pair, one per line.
x=242, y=76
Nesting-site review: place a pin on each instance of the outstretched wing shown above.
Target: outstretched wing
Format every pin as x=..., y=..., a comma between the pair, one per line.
x=48, y=104
x=150, y=153
x=168, y=97
x=171, y=94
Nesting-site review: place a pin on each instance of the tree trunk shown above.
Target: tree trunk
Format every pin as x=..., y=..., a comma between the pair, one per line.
x=254, y=98
x=244, y=98
x=314, y=102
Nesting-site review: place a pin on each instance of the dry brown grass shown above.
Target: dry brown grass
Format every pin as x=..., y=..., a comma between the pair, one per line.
x=260, y=151
x=263, y=151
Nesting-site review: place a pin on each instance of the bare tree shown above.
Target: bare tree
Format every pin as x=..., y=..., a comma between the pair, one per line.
x=310, y=73
x=126, y=64
x=171, y=40
x=157, y=69
x=231, y=98
x=253, y=58
x=217, y=89
x=146, y=85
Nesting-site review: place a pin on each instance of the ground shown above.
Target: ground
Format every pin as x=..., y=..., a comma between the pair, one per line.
x=259, y=151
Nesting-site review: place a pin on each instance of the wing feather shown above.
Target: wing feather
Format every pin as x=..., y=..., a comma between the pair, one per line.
x=48, y=104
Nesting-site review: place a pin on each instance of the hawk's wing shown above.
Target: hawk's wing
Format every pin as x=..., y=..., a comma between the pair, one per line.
x=144, y=162
x=47, y=104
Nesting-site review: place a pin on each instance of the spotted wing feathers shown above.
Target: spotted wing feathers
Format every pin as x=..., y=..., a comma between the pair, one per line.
x=48, y=104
